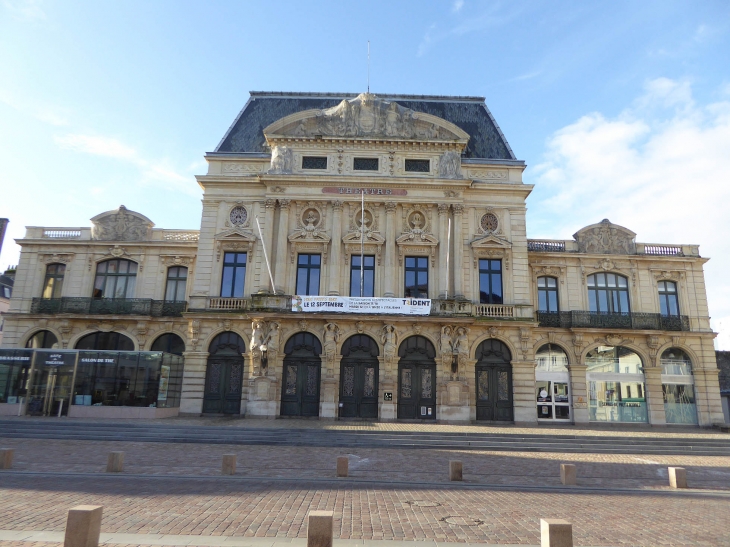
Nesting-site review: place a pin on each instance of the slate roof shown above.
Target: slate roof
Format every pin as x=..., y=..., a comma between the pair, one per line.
x=469, y=113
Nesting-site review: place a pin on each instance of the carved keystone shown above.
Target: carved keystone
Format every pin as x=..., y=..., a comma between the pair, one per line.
x=6, y=458
x=115, y=462
x=556, y=533
x=319, y=529
x=455, y=470
x=568, y=474
x=342, y=466
x=677, y=477
x=83, y=526
x=229, y=464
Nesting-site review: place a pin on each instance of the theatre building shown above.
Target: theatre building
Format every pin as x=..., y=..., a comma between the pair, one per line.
x=360, y=256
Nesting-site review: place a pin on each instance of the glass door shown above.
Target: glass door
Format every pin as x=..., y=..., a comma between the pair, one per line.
x=50, y=390
x=553, y=400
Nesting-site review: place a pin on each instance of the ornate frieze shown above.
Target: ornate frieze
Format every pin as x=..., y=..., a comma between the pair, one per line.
x=606, y=238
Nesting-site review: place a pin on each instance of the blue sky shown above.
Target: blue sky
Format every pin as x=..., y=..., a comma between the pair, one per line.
x=620, y=109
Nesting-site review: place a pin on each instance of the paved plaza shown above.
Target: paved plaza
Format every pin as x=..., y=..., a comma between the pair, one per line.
x=174, y=494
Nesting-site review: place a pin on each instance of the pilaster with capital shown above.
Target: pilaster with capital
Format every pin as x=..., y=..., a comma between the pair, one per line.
x=443, y=209
x=457, y=266
x=282, y=247
x=390, y=272
x=268, y=233
x=335, y=268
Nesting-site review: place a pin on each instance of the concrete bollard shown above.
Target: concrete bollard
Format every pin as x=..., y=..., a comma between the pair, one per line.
x=319, y=529
x=568, y=474
x=6, y=458
x=229, y=464
x=556, y=533
x=83, y=526
x=677, y=477
x=343, y=466
x=115, y=462
x=456, y=470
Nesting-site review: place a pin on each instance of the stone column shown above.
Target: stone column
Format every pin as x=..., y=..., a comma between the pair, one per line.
x=268, y=232
x=443, y=209
x=334, y=258
x=523, y=392
x=390, y=250
x=579, y=393
x=282, y=248
x=458, y=266
x=193, y=387
x=654, y=396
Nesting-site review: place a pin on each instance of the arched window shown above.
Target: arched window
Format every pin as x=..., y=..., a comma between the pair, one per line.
x=668, y=303
x=115, y=279
x=53, y=284
x=552, y=383
x=608, y=293
x=177, y=278
x=678, y=387
x=547, y=294
x=43, y=339
x=105, y=341
x=551, y=358
x=170, y=343
x=616, y=385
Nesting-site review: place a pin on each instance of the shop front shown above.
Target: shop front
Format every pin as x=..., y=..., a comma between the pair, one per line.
x=552, y=382
x=616, y=385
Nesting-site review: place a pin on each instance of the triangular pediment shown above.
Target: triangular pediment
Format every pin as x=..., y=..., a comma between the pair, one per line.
x=370, y=237
x=235, y=234
x=366, y=117
x=417, y=238
x=491, y=241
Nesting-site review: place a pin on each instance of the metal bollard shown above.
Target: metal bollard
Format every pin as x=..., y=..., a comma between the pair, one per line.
x=456, y=470
x=6, y=458
x=343, y=466
x=319, y=529
x=677, y=477
x=568, y=474
x=229, y=464
x=556, y=533
x=83, y=526
x=115, y=462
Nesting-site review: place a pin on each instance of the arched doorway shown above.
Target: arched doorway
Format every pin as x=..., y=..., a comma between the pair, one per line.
x=300, y=384
x=494, y=382
x=224, y=375
x=42, y=339
x=416, y=379
x=359, y=378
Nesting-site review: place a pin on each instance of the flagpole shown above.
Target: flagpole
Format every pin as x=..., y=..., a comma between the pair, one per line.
x=362, y=242
x=448, y=251
x=266, y=256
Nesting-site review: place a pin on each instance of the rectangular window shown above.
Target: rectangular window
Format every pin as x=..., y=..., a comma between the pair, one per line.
x=547, y=294
x=365, y=164
x=177, y=278
x=668, y=302
x=53, y=286
x=418, y=166
x=308, y=270
x=368, y=275
x=314, y=162
x=416, y=282
x=234, y=275
x=490, y=281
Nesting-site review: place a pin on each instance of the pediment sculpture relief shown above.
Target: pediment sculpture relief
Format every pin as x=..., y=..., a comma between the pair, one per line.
x=366, y=116
x=606, y=238
x=121, y=225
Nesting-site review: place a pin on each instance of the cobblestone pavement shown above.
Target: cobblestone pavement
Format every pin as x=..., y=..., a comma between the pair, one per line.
x=391, y=494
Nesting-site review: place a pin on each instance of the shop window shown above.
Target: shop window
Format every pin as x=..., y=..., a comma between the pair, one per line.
x=668, y=302
x=234, y=275
x=608, y=293
x=43, y=339
x=53, y=284
x=115, y=279
x=368, y=275
x=416, y=279
x=177, y=278
x=490, y=281
x=547, y=294
x=308, y=273
x=552, y=383
x=105, y=341
x=169, y=343
x=616, y=385
x=680, y=406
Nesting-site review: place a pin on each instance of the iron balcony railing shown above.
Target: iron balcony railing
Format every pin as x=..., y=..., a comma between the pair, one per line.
x=108, y=306
x=602, y=320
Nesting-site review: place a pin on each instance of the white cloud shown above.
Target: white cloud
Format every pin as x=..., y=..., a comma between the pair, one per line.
x=99, y=146
x=46, y=113
x=28, y=10
x=660, y=168
x=457, y=5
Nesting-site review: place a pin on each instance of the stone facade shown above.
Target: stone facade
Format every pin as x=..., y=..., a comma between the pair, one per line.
x=452, y=208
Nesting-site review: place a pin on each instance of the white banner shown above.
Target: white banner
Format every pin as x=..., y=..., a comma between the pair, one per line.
x=353, y=304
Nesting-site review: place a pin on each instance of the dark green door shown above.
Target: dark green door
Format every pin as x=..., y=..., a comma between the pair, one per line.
x=302, y=369
x=416, y=379
x=224, y=375
x=494, y=382
x=359, y=378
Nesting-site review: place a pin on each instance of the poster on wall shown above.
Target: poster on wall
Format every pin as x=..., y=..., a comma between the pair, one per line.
x=353, y=304
x=164, y=383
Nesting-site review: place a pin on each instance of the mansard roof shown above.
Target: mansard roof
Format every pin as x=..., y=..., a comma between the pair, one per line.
x=470, y=114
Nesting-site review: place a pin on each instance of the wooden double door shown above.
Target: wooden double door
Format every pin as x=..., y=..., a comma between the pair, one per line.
x=494, y=382
x=416, y=379
x=224, y=375
x=302, y=373
x=359, y=378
